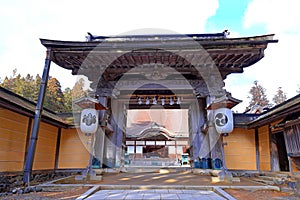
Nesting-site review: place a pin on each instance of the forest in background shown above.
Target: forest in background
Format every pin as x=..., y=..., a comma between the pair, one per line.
x=59, y=100
x=56, y=99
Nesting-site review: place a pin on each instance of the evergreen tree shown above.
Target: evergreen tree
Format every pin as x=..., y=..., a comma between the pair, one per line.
x=78, y=92
x=17, y=84
x=55, y=99
x=279, y=97
x=258, y=96
x=54, y=96
x=6, y=83
x=78, y=89
x=28, y=88
x=36, y=87
x=67, y=100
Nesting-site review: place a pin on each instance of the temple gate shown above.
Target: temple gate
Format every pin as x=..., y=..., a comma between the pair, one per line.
x=154, y=72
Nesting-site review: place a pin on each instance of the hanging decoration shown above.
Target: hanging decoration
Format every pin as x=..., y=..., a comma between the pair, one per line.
x=162, y=100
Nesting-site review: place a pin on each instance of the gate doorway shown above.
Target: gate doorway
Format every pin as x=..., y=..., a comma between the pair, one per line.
x=156, y=137
x=282, y=153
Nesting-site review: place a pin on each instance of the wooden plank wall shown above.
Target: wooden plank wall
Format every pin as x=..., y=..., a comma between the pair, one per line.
x=240, y=150
x=46, y=147
x=13, y=131
x=264, y=148
x=74, y=149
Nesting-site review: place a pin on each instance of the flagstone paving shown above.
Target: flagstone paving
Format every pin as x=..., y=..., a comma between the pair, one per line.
x=156, y=194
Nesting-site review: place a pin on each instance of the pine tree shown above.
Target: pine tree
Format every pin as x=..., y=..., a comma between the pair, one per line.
x=258, y=96
x=28, y=88
x=6, y=83
x=78, y=89
x=54, y=96
x=36, y=87
x=280, y=96
x=55, y=99
x=67, y=100
x=18, y=84
x=78, y=92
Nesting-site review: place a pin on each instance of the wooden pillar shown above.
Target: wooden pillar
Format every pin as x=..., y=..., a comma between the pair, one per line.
x=57, y=148
x=118, y=113
x=257, y=150
x=27, y=138
x=194, y=128
x=100, y=134
x=215, y=142
x=274, y=151
x=198, y=139
x=120, y=132
x=214, y=139
x=290, y=159
x=37, y=118
x=113, y=139
x=274, y=164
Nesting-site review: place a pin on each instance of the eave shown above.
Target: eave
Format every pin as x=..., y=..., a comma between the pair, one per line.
x=289, y=107
x=23, y=106
x=230, y=55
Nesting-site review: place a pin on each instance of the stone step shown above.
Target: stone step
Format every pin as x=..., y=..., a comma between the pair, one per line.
x=264, y=181
x=276, y=174
x=99, y=171
x=155, y=169
x=106, y=170
x=270, y=178
x=276, y=180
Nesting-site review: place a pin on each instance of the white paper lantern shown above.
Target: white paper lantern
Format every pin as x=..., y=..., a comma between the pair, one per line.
x=89, y=120
x=223, y=120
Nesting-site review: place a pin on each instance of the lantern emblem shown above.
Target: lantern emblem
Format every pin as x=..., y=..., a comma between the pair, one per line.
x=89, y=120
x=223, y=120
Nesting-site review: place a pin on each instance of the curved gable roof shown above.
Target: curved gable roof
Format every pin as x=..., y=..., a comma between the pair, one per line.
x=156, y=131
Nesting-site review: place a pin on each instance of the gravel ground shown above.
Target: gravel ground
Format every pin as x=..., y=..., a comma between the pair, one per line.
x=260, y=194
x=63, y=193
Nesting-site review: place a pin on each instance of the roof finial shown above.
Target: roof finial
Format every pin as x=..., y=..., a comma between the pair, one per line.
x=89, y=37
x=226, y=33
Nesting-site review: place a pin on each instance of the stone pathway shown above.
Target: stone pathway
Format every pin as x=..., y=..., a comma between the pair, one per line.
x=156, y=194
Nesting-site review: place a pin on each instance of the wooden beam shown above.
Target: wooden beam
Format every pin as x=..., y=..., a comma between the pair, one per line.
x=27, y=138
x=57, y=148
x=257, y=149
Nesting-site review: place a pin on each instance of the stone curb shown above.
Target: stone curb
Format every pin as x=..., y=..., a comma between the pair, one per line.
x=88, y=193
x=183, y=187
x=218, y=189
x=224, y=194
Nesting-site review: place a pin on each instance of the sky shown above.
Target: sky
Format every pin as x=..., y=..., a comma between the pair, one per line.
x=24, y=22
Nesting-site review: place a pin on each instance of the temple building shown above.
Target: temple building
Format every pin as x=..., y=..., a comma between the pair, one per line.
x=156, y=98
x=156, y=138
